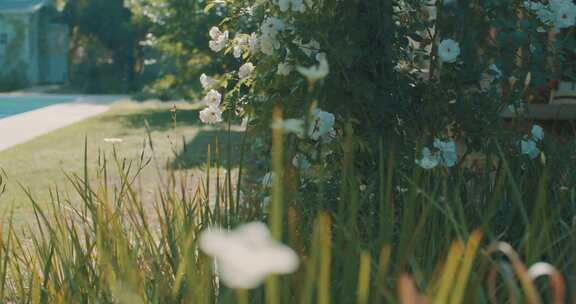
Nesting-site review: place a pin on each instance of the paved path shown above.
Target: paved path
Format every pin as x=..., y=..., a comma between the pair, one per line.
x=21, y=128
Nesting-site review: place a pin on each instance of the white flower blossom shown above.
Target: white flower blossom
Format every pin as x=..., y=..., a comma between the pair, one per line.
x=253, y=43
x=428, y=160
x=528, y=147
x=215, y=33
x=495, y=70
x=445, y=155
x=558, y=13
x=284, y=69
x=270, y=29
x=246, y=70
x=219, y=39
x=211, y=115
x=295, y=5
x=448, y=50
x=237, y=51
x=301, y=162
x=207, y=81
x=537, y=132
x=246, y=256
x=447, y=149
x=321, y=124
x=529, y=144
x=315, y=72
x=213, y=98
x=271, y=26
x=563, y=13
x=242, y=41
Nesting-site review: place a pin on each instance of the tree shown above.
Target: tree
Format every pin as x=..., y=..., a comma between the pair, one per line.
x=112, y=25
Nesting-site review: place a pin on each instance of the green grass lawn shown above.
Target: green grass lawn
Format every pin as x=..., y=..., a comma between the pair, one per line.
x=42, y=163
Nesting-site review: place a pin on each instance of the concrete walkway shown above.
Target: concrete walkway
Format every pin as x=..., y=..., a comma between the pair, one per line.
x=22, y=127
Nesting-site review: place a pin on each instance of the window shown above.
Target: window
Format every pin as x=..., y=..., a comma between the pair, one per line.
x=3, y=38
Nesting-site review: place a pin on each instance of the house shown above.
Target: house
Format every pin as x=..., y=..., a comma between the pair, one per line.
x=33, y=45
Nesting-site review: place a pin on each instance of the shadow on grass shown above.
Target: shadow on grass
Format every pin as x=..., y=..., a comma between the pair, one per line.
x=158, y=120
x=195, y=152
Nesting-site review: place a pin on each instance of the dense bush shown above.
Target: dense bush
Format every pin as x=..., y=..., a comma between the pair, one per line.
x=106, y=53
x=389, y=73
x=404, y=73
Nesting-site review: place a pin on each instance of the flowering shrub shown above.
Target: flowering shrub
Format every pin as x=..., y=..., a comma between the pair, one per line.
x=394, y=74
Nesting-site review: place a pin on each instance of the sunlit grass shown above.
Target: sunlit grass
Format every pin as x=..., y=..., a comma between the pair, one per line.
x=43, y=163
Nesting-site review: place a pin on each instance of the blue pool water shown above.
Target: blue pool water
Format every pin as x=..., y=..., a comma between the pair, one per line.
x=12, y=105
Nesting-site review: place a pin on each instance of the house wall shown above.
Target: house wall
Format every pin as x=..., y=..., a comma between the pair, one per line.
x=33, y=49
x=15, y=48
x=33, y=56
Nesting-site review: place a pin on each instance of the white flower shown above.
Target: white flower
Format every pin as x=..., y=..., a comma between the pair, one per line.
x=219, y=39
x=237, y=51
x=217, y=45
x=296, y=5
x=213, y=98
x=559, y=13
x=448, y=50
x=113, y=140
x=207, y=81
x=211, y=115
x=246, y=256
x=215, y=33
x=321, y=124
x=428, y=160
x=284, y=69
x=563, y=13
x=253, y=43
x=242, y=40
x=448, y=156
x=316, y=72
x=271, y=26
x=270, y=29
x=301, y=162
x=495, y=70
x=537, y=133
x=528, y=147
x=245, y=70
x=542, y=11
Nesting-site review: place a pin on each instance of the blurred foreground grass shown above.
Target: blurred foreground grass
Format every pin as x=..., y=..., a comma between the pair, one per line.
x=125, y=227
